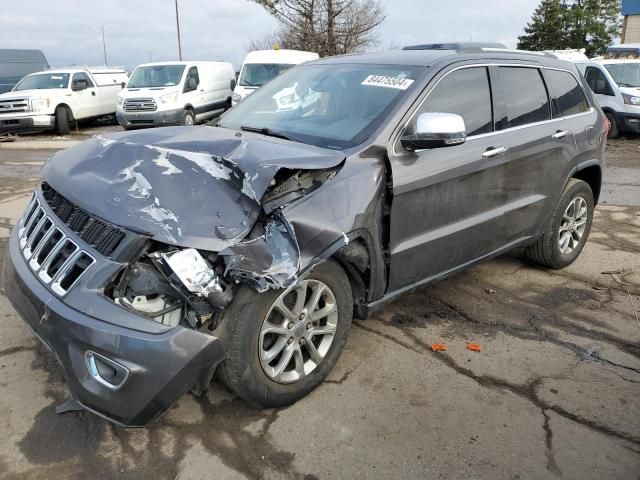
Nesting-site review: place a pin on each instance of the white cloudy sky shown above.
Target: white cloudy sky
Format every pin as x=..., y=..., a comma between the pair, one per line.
x=68, y=30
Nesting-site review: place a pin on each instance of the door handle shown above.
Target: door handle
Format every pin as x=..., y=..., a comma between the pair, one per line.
x=493, y=152
x=560, y=134
x=93, y=93
x=202, y=90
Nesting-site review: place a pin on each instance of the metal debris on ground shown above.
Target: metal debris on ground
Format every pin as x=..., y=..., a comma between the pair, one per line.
x=489, y=290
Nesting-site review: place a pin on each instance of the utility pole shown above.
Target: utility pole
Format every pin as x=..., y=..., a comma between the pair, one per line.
x=178, y=26
x=104, y=46
x=150, y=59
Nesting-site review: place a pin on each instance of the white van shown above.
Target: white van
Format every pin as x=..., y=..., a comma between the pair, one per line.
x=260, y=66
x=57, y=98
x=175, y=93
x=616, y=84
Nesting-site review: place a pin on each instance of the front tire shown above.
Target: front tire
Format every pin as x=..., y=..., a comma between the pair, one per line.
x=614, y=130
x=568, y=228
x=188, y=118
x=62, y=120
x=281, y=344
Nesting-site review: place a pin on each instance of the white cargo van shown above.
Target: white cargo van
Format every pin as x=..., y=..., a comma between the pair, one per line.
x=175, y=93
x=57, y=98
x=616, y=84
x=260, y=66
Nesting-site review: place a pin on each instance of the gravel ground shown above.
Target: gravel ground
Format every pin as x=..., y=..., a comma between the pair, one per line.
x=554, y=392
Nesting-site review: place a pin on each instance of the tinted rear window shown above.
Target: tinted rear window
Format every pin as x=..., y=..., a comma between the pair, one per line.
x=568, y=97
x=525, y=95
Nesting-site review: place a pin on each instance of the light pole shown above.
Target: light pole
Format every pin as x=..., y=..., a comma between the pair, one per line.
x=150, y=50
x=178, y=27
x=104, y=46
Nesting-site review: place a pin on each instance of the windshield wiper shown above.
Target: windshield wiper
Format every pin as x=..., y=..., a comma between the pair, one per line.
x=269, y=132
x=622, y=84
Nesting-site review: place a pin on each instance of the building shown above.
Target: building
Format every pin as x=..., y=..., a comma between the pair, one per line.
x=631, y=21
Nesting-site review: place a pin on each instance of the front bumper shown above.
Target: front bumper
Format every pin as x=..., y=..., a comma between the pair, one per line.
x=25, y=122
x=629, y=122
x=160, y=367
x=159, y=118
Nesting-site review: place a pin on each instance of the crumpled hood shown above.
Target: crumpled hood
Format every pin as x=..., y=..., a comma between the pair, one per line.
x=195, y=187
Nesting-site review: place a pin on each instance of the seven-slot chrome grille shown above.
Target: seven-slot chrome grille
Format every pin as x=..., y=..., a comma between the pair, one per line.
x=102, y=236
x=139, y=105
x=53, y=256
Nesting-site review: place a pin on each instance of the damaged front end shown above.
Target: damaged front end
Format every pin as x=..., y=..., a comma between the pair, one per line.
x=135, y=243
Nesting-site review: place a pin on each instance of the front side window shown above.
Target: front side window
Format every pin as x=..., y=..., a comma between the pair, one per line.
x=467, y=93
x=333, y=105
x=189, y=84
x=151, y=76
x=525, y=96
x=568, y=97
x=43, y=81
x=82, y=76
x=597, y=81
x=625, y=74
x=257, y=74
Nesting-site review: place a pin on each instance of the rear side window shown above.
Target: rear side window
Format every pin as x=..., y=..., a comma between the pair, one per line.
x=467, y=93
x=568, y=97
x=525, y=96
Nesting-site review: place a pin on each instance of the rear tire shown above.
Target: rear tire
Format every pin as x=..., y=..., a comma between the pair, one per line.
x=614, y=130
x=568, y=228
x=246, y=370
x=62, y=120
x=188, y=118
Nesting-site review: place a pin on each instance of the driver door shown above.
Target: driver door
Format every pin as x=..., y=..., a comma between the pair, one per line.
x=448, y=202
x=86, y=102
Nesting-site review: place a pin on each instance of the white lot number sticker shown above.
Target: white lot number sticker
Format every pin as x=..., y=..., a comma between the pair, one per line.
x=387, y=82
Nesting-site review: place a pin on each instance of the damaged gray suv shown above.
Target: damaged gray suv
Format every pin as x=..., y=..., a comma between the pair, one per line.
x=149, y=262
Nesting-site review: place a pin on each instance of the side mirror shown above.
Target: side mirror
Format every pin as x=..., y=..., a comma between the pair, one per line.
x=233, y=83
x=191, y=84
x=123, y=85
x=435, y=129
x=79, y=85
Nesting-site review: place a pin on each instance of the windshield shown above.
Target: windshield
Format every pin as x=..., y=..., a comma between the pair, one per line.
x=332, y=106
x=43, y=81
x=625, y=74
x=156, y=76
x=257, y=74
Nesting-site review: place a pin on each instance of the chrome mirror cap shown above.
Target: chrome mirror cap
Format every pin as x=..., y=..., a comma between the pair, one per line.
x=435, y=129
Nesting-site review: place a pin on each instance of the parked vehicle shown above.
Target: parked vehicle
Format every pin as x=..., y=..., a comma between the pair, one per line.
x=569, y=54
x=624, y=51
x=57, y=98
x=260, y=66
x=175, y=93
x=616, y=84
x=15, y=64
x=148, y=260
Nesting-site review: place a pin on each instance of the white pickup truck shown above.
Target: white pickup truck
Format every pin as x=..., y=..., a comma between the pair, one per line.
x=58, y=98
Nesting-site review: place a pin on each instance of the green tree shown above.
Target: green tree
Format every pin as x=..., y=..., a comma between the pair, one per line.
x=592, y=24
x=546, y=30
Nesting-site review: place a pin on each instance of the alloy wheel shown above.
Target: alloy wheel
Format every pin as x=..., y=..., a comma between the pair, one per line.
x=298, y=331
x=574, y=222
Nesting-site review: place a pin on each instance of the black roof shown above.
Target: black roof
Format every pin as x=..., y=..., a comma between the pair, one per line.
x=426, y=58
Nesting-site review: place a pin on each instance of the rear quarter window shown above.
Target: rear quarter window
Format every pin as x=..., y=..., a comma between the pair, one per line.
x=567, y=95
x=524, y=95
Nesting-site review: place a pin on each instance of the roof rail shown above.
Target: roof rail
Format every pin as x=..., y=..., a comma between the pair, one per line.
x=505, y=50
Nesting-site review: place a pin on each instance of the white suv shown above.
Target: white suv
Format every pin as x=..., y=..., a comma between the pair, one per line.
x=56, y=98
